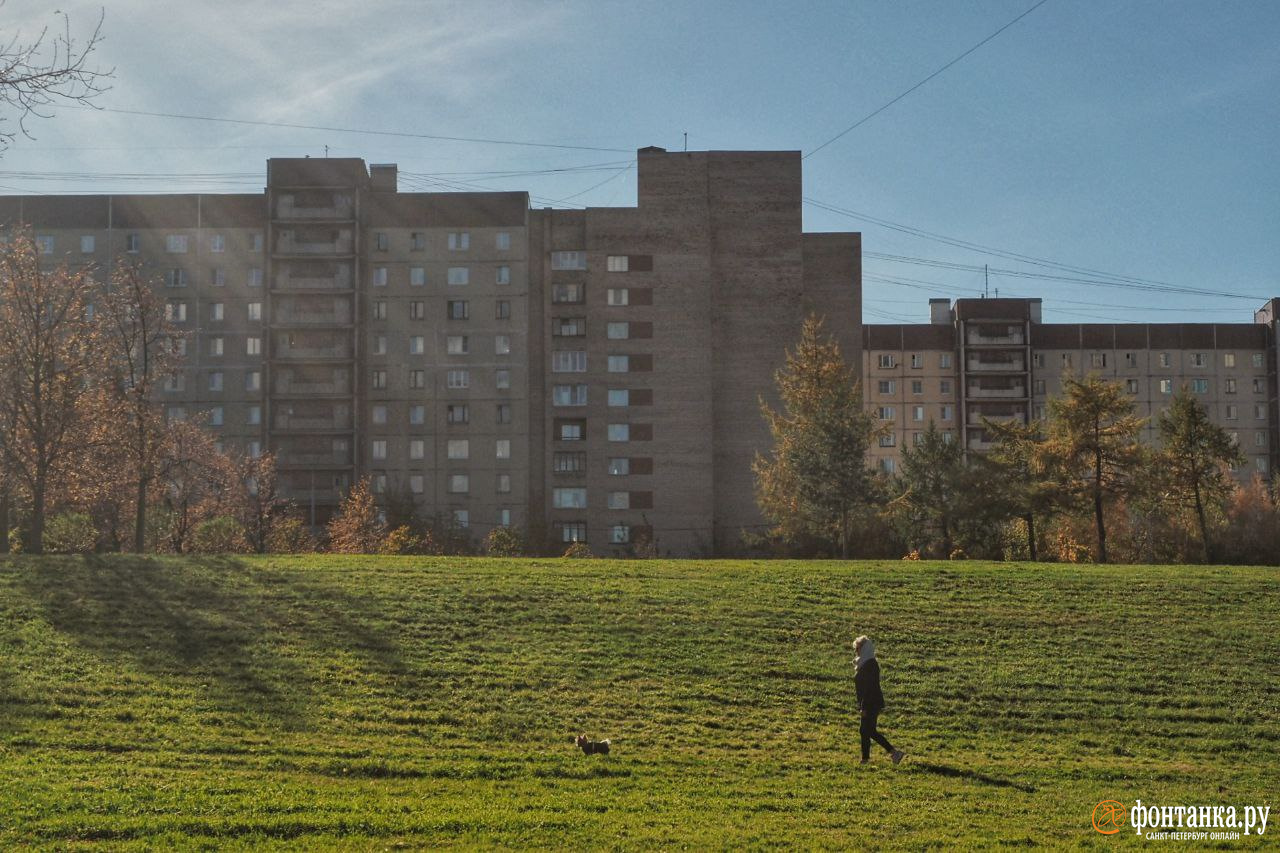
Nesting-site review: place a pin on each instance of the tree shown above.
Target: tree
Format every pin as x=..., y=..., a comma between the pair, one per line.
x=197, y=481
x=934, y=487
x=1091, y=444
x=52, y=68
x=140, y=343
x=815, y=480
x=357, y=528
x=1015, y=468
x=1195, y=454
x=48, y=351
x=261, y=504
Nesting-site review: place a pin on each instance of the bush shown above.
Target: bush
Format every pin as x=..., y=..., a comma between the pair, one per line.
x=401, y=541
x=504, y=542
x=15, y=541
x=578, y=550
x=219, y=535
x=289, y=535
x=70, y=533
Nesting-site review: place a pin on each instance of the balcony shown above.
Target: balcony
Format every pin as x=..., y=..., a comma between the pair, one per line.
x=318, y=458
x=335, y=383
x=995, y=336
x=314, y=312
x=996, y=392
x=307, y=243
x=980, y=443
x=326, y=206
x=335, y=277
x=292, y=420
x=989, y=364
x=976, y=418
x=289, y=350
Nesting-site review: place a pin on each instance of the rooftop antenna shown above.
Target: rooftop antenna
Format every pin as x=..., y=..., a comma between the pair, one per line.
x=686, y=140
x=986, y=283
x=326, y=152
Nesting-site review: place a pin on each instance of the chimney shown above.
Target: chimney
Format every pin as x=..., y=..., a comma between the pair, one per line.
x=382, y=177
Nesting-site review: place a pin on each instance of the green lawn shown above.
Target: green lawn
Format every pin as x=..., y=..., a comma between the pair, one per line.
x=375, y=702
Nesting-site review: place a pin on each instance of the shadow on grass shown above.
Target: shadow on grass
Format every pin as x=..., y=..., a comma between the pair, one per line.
x=971, y=776
x=245, y=635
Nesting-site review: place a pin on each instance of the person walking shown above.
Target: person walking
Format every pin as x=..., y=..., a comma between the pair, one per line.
x=870, y=700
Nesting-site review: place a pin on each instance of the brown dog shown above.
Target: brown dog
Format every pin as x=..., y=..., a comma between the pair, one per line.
x=593, y=747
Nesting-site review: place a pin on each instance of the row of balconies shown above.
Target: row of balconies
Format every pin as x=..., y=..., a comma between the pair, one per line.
x=1014, y=390
x=1000, y=335
x=314, y=205
x=992, y=363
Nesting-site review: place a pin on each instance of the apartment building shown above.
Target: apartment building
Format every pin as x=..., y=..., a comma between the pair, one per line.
x=589, y=375
x=994, y=359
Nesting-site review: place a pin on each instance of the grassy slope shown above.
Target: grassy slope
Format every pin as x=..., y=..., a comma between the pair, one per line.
x=365, y=702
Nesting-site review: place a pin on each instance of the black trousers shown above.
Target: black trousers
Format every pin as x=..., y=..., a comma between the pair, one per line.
x=869, y=733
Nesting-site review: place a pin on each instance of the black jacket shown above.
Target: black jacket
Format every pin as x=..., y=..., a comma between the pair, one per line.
x=867, y=680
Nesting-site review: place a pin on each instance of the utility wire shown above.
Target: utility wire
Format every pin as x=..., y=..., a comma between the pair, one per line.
x=895, y=100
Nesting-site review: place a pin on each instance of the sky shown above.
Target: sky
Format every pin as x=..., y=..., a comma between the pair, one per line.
x=1127, y=140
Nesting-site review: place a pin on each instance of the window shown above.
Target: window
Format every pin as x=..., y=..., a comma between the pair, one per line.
x=502, y=345
x=1260, y=411
x=917, y=386
x=379, y=276
x=944, y=387
x=381, y=241
x=462, y=517
x=888, y=440
x=619, y=500
x=566, y=293
x=417, y=310
x=885, y=413
x=568, y=463
x=887, y=465
x=458, y=448
x=1130, y=360
x=378, y=344
x=459, y=240
x=502, y=448
x=459, y=484
x=253, y=380
x=1230, y=386
x=1066, y=359
x=1165, y=360
x=569, y=361
x=1166, y=386
x=503, y=275
x=502, y=241
x=175, y=277
x=417, y=448
x=416, y=484
x=378, y=415
x=378, y=485
x=457, y=378
x=175, y=244
x=947, y=412
x=253, y=346
x=569, y=498
x=1131, y=385
x=917, y=360
x=417, y=415
x=1199, y=359
x=215, y=346
x=619, y=466
x=255, y=311
x=617, y=263
x=255, y=243
x=948, y=437
x=503, y=484
x=215, y=381
x=619, y=397
x=378, y=449
x=417, y=241
x=253, y=415
x=502, y=309
x=917, y=413
x=619, y=432
x=619, y=364
x=618, y=296
x=502, y=413
x=216, y=311
x=917, y=438
x=1037, y=386
x=459, y=275
x=378, y=309
x=417, y=345
x=504, y=518
x=1257, y=359
x=176, y=312
x=1037, y=359
x=887, y=360
x=568, y=327
x=1098, y=359
x=418, y=379
x=502, y=379
x=1257, y=386
x=458, y=344
x=569, y=395
x=571, y=431
x=458, y=309
x=1259, y=439
x=568, y=260
x=1228, y=359
x=177, y=413
x=379, y=380
x=886, y=386
x=87, y=244
x=175, y=382
x=132, y=243
x=1200, y=386
x=215, y=416
x=255, y=277
x=217, y=243
x=618, y=331
x=1232, y=412
x=575, y=531
x=944, y=360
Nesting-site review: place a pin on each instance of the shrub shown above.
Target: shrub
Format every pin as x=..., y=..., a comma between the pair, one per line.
x=504, y=542
x=578, y=550
x=289, y=535
x=912, y=555
x=70, y=533
x=401, y=541
x=219, y=535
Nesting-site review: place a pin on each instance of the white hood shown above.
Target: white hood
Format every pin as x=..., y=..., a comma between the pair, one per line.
x=866, y=652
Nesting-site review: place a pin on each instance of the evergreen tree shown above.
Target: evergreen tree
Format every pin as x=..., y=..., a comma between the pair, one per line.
x=815, y=480
x=1014, y=468
x=1194, y=457
x=357, y=528
x=934, y=486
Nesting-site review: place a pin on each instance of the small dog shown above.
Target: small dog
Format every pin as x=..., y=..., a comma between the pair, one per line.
x=593, y=747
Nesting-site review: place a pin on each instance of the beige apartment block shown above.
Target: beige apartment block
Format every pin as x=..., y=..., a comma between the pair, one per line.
x=589, y=375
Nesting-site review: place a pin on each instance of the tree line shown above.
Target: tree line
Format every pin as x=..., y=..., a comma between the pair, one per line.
x=1078, y=485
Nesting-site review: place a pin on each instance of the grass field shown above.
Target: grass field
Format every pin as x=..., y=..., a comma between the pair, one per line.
x=375, y=702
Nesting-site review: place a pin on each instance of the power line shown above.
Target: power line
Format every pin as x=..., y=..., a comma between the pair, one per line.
x=327, y=129
x=895, y=100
